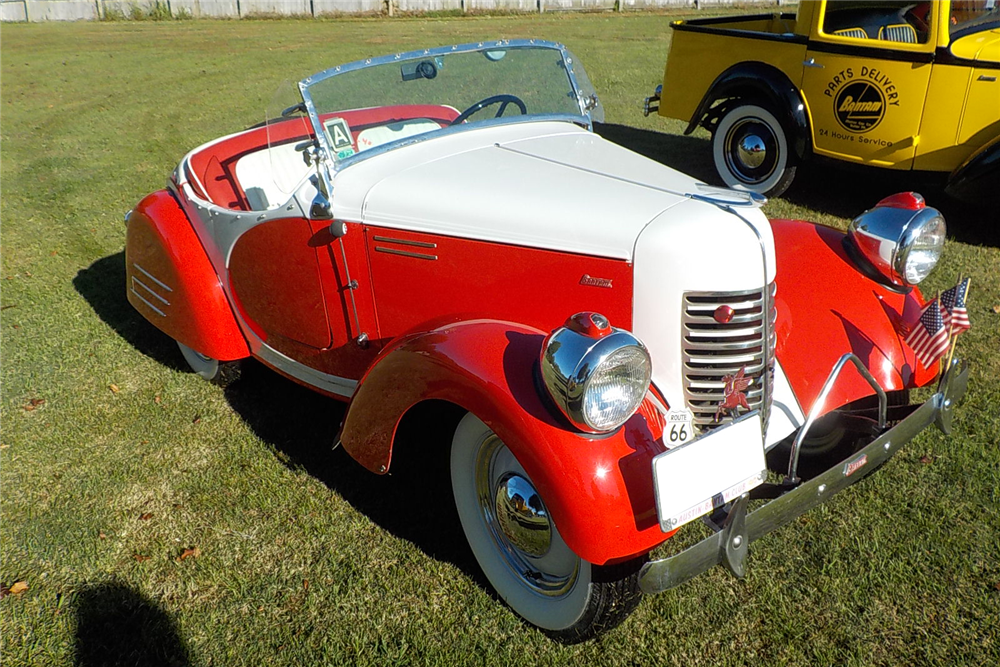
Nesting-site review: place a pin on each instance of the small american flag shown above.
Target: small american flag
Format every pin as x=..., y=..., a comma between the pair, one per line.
x=956, y=317
x=929, y=337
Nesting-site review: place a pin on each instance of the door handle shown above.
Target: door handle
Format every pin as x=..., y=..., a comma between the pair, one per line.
x=812, y=63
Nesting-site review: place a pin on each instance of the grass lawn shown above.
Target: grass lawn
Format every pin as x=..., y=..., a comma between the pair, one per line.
x=158, y=519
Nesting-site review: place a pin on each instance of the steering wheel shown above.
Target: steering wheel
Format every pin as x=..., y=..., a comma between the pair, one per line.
x=502, y=100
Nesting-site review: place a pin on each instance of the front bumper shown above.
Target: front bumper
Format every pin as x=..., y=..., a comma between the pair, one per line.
x=729, y=545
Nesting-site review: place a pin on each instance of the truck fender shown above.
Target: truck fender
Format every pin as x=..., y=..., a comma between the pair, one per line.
x=598, y=490
x=826, y=306
x=769, y=82
x=977, y=179
x=172, y=283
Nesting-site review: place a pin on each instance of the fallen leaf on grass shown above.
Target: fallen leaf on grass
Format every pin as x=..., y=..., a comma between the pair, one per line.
x=157, y=399
x=33, y=403
x=145, y=516
x=189, y=553
x=16, y=588
x=996, y=309
x=102, y=536
x=140, y=557
x=196, y=420
x=305, y=584
x=926, y=459
x=114, y=388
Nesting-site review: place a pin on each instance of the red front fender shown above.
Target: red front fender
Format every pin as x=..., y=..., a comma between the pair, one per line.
x=827, y=307
x=171, y=282
x=599, y=491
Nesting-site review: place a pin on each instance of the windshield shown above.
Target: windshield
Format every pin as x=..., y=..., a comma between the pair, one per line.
x=380, y=101
x=968, y=15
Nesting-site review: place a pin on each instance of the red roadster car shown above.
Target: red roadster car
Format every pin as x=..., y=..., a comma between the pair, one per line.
x=632, y=349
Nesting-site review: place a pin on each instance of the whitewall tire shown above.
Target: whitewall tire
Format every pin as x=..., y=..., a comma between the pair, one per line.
x=751, y=151
x=525, y=559
x=213, y=370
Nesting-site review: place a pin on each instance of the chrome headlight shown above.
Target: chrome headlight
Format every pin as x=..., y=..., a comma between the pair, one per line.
x=901, y=238
x=596, y=374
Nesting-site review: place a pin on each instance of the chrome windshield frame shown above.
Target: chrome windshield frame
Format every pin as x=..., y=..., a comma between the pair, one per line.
x=329, y=155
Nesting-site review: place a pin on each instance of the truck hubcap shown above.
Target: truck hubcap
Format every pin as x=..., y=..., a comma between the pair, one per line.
x=751, y=151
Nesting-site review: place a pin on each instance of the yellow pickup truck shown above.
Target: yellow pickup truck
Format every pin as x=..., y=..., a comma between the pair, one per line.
x=899, y=85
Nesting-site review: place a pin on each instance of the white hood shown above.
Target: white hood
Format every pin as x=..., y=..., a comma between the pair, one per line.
x=546, y=185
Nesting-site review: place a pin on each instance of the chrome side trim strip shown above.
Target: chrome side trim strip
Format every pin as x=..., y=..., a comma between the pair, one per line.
x=329, y=383
x=146, y=301
x=153, y=278
x=404, y=253
x=419, y=244
x=136, y=281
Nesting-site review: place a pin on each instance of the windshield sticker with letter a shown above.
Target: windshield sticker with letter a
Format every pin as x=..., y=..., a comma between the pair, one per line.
x=339, y=135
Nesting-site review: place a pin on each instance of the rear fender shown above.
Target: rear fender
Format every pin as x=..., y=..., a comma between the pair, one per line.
x=827, y=307
x=599, y=491
x=766, y=81
x=976, y=179
x=171, y=282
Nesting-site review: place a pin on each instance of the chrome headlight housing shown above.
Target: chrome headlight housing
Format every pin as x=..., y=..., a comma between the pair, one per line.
x=901, y=238
x=596, y=374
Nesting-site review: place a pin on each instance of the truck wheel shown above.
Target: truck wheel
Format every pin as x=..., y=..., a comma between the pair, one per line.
x=520, y=550
x=750, y=148
x=222, y=373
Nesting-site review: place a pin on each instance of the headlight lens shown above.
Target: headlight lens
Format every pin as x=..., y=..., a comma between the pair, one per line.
x=901, y=238
x=596, y=374
x=921, y=246
x=616, y=388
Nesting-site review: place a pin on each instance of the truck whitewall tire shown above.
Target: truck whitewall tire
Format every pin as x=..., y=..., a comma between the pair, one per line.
x=569, y=598
x=751, y=151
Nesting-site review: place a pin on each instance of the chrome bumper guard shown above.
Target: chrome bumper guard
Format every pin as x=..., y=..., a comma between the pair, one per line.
x=729, y=545
x=652, y=103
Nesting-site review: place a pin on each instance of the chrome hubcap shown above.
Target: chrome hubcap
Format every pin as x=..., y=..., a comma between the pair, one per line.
x=519, y=525
x=522, y=517
x=752, y=151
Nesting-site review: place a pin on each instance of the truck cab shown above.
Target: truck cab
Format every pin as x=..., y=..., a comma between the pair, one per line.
x=890, y=84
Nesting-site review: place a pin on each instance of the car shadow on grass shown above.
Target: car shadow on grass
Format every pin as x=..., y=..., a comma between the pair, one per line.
x=689, y=154
x=102, y=285
x=116, y=625
x=413, y=502
x=302, y=427
x=848, y=190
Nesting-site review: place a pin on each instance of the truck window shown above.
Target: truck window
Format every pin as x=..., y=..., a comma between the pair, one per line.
x=893, y=22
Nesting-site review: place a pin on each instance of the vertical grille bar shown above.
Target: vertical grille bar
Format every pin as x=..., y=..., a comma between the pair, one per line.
x=712, y=350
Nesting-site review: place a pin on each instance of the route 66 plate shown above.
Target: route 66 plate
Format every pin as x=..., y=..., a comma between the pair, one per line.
x=678, y=429
x=692, y=479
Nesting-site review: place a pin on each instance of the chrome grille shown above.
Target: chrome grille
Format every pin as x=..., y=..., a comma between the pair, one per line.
x=711, y=350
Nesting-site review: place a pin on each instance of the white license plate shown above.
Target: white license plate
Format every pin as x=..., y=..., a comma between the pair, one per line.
x=693, y=479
